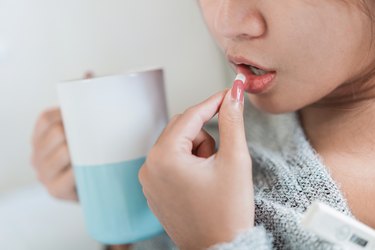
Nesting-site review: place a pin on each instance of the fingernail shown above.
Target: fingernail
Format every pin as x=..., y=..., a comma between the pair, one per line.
x=88, y=75
x=238, y=88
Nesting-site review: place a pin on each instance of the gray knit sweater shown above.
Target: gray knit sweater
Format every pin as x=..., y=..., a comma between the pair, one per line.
x=288, y=176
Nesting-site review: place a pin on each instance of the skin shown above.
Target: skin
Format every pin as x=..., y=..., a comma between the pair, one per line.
x=318, y=49
x=50, y=156
x=183, y=158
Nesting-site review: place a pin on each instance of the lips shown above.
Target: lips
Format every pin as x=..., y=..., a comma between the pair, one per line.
x=254, y=84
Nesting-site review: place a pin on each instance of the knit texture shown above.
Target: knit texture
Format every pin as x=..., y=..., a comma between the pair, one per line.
x=288, y=176
x=254, y=238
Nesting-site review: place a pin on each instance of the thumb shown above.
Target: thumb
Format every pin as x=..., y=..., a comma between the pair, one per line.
x=231, y=122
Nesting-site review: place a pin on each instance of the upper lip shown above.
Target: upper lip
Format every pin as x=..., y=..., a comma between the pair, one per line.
x=238, y=60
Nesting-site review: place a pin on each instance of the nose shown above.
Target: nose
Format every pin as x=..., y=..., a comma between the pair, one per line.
x=239, y=19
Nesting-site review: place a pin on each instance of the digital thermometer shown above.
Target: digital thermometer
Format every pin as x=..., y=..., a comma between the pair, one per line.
x=338, y=228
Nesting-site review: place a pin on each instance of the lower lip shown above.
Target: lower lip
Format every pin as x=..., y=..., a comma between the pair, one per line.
x=256, y=84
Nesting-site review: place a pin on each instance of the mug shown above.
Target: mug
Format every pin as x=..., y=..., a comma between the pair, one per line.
x=111, y=123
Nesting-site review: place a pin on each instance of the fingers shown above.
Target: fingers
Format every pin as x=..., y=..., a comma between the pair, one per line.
x=203, y=145
x=53, y=138
x=50, y=155
x=188, y=125
x=53, y=164
x=231, y=127
x=55, y=172
x=47, y=119
x=185, y=130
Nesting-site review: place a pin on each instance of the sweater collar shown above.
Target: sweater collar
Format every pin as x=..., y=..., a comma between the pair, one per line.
x=281, y=139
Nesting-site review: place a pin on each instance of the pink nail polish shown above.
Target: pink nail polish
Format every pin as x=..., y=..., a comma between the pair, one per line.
x=238, y=88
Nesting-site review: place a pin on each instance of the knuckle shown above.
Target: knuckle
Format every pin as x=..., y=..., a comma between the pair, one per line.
x=194, y=115
x=190, y=110
x=231, y=119
x=175, y=118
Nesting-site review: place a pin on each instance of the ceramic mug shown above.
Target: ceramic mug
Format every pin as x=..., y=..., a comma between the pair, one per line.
x=111, y=123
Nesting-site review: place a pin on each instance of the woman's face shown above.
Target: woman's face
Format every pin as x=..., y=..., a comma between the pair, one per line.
x=311, y=47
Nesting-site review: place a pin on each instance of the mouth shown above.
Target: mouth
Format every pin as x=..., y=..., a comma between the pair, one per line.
x=258, y=78
x=257, y=71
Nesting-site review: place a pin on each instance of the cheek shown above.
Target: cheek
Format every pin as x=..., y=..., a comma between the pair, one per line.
x=209, y=9
x=298, y=87
x=312, y=61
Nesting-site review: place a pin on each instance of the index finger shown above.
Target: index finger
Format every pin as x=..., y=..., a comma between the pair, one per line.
x=192, y=120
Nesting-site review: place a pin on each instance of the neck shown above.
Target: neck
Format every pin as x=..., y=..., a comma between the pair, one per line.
x=343, y=121
x=341, y=129
x=344, y=137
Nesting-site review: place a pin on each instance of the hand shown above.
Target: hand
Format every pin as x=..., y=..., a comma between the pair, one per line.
x=200, y=196
x=50, y=156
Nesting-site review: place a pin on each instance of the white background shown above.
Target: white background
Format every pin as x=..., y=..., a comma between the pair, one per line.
x=46, y=41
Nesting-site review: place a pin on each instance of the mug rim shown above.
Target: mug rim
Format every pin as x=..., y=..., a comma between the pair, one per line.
x=128, y=73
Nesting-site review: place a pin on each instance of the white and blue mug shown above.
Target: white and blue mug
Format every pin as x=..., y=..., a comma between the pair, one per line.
x=111, y=123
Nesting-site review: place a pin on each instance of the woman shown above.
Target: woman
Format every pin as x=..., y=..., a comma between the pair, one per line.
x=311, y=61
